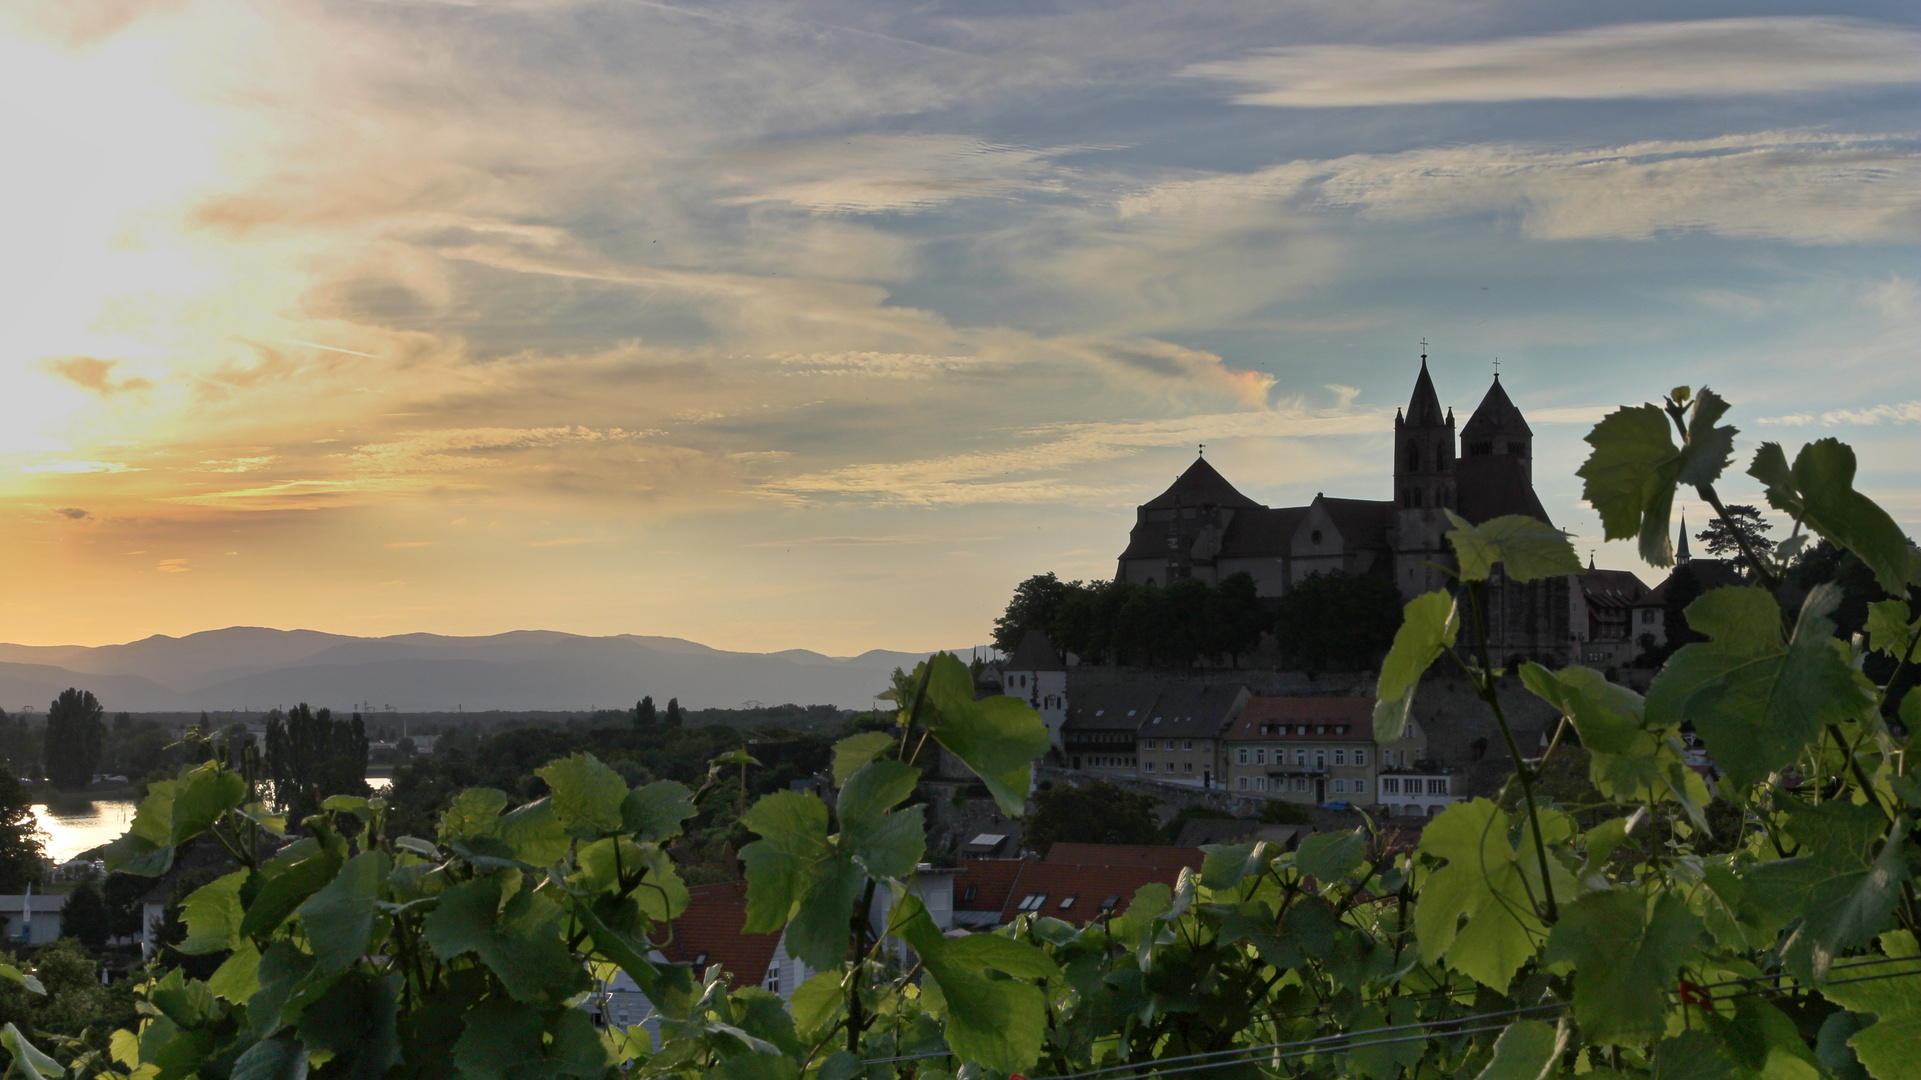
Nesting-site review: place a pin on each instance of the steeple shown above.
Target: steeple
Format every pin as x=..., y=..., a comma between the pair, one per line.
x=1681, y=555
x=1424, y=408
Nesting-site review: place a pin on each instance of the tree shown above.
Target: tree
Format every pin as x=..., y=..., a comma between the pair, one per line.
x=1338, y=620
x=1747, y=523
x=644, y=714
x=673, y=712
x=1238, y=618
x=1036, y=605
x=73, y=739
x=1096, y=813
x=86, y=916
x=309, y=752
x=21, y=851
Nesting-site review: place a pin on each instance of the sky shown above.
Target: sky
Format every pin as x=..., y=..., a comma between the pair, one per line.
x=821, y=324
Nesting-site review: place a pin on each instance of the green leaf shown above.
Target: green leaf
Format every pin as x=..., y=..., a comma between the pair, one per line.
x=272, y=1059
x=796, y=874
x=1710, y=448
x=282, y=969
x=340, y=917
x=213, y=915
x=1691, y=1055
x=1819, y=491
x=519, y=941
x=857, y=750
x=1887, y=1046
x=28, y=1061
x=1525, y=549
x=15, y=975
x=654, y=813
x=1889, y=630
x=1226, y=865
x=1484, y=882
x=1761, y=1039
x=1630, y=478
x=1626, y=954
x=1527, y=1050
x=887, y=844
x=1329, y=857
x=587, y=795
x=997, y=737
x=1626, y=761
x=356, y=1021
x=1755, y=700
x=817, y=1003
x=534, y=834
x=1843, y=891
x=995, y=1022
x=238, y=976
x=204, y=794
x=288, y=886
x=1427, y=629
x=505, y=1040
x=473, y=812
x=146, y=848
x=1386, y=1058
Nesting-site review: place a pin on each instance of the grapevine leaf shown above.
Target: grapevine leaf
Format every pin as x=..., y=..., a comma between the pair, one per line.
x=1331, y=856
x=506, y=1040
x=473, y=812
x=1819, y=490
x=272, y=1059
x=887, y=844
x=356, y=1022
x=1386, y=1058
x=238, y=976
x=212, y=914
x=997, y=1023
x=1625, y=955
x=1483, y=881
x=20, y=978
x=289, y=886
x=1691, y=1055
x=1889, y=630
x=340, y=917
x=282, y=968
x=1525, y=549
x=204, y=794
x=1886, y=1046
x=587, y=795
x=1758, y=701
x=997, y=737
x=1710, y=448
x=534, y=833
x=655, y=812
x=796, y=872
x=1226, y=865
x=28, y=1060
x=1758, y=1032
x=1843, y=891
x=520, y=941
x=1428, y=627
x=146, y=848
x=1527, y=1050
x=857, y=750
x=817, y=1003
x=1627, y=762
x=1630, y=478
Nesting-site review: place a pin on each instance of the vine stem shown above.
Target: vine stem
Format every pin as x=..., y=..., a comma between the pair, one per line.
x=856, y=1023
x=1485, y=686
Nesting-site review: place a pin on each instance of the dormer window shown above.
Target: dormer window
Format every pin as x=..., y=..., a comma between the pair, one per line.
x=1315, y=538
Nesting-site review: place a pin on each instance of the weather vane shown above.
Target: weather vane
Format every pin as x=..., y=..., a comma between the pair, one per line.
x=1203, y=449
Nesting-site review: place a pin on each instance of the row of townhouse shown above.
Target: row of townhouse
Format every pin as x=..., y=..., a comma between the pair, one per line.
x=1310, y=750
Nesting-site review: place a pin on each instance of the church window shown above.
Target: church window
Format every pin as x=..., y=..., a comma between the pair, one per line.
x=1316, y=538
x=1517, y=449
x=1480, y=449
x=1413, y=458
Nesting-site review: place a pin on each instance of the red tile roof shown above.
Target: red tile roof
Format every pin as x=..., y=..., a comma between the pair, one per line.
x=991, y=880
x=1355, y=713
x=1159, y=857
x=1089, y=892
x=711, y=928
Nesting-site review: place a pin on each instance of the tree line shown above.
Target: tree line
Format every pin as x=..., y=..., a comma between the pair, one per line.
x=1325, y=621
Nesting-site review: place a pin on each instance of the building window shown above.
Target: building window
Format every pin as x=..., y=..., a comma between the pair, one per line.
x=1340, y=757
x=1647, y=616
x=1437, y=787
x=1360, y=757
x=1360, y=787
x=1067, y=902
x=1390, y=786
x=1187, y=744
x=1148, y=767
x=1260, y=757
x=771, y=984
x=1243, y=783
x=1300, y=758
x=1320, y=761
x=1150, y=744
x=1241, y=756
x=1300, y=783
x=1186, y=766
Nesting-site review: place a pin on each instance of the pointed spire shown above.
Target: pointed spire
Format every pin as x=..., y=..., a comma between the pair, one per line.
x=1681, y=549
x=1424, y=408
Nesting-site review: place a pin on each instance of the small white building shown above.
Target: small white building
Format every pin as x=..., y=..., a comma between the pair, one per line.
x=31, y=919
x=1419, y=790
x=1037, y=675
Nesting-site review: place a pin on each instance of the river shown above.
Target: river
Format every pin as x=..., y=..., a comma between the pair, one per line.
x=74, y=827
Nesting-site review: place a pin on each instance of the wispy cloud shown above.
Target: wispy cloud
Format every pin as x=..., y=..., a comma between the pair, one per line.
x=1906, y=412
x=1681, y=59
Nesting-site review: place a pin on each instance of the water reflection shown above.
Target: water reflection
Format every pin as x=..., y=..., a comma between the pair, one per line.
x=76, y=826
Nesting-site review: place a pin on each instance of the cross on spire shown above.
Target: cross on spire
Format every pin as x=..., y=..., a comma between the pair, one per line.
x=1497, y=367
x=1424, y=349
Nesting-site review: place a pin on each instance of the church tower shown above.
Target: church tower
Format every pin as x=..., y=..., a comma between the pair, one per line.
x=1424, y=485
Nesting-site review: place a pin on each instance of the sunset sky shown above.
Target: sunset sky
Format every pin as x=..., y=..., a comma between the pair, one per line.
x=822, y=323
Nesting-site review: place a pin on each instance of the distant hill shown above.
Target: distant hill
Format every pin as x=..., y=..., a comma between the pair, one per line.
x=251, y=667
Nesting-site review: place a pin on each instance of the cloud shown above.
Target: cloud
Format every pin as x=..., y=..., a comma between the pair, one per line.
x=95, y=374
x=173, y=566
x=78, y=467
x=870, y=173
x=1684, y=59
x=73, y=513
x=1906, y=412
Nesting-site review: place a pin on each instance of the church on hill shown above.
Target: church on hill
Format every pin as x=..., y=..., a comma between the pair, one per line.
x=1202, y=527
